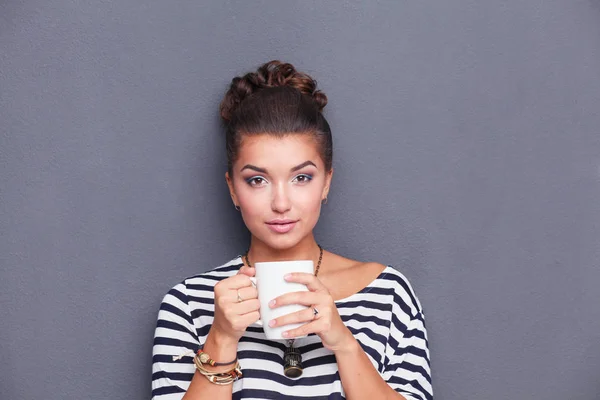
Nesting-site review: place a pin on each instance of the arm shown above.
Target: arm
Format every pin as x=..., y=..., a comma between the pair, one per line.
x=359, y=377
x=176, y=379
x=174, y=336
x=406, y=373
x=200, y=387
x=407, y=368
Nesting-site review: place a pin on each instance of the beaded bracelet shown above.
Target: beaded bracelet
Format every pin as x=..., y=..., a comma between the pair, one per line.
x=205, y=359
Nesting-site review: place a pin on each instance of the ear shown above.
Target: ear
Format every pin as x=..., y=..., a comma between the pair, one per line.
x=328, y=177
x=231, y=189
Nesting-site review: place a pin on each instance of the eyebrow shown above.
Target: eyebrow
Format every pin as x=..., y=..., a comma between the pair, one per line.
x=254, y=168
x=304, y=164
x=264, y=171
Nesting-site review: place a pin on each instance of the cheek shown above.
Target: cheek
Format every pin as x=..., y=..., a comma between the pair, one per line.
x=251, y=200
x=310, y=201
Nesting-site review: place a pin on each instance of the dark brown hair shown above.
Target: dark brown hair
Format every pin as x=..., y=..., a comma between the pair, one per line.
x=275, y=100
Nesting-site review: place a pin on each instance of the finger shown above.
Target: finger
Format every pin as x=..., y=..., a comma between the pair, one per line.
x=244, y=307
x=306, y=329
x=312, y=282
x=245, y=270
x=238, y=281
x=250, y=317
x=293, y=318
x=246, y=293
x=241, y=322
x=303, y=298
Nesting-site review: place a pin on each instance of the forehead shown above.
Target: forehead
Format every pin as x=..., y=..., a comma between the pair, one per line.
x=287, y=150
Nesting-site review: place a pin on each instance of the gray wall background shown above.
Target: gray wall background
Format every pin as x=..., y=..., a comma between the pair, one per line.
x=467, y=154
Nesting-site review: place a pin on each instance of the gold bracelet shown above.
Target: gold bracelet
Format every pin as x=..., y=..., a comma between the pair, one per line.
x=222, y=378
x=219, y=378
x=225, y=379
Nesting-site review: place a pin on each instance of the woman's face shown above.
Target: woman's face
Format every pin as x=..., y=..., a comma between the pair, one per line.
x=279, y=184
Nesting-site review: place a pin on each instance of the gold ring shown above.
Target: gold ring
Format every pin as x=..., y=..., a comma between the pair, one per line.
x=239, y=297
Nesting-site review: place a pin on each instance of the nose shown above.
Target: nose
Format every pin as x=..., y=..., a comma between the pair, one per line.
x=281, y=201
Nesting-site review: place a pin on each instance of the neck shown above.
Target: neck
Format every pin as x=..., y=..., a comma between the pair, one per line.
x=307, y=249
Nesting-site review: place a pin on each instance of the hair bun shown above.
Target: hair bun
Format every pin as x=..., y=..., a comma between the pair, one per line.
x=271, y=74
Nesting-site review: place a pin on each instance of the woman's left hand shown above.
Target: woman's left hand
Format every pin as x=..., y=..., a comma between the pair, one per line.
x=327, y=323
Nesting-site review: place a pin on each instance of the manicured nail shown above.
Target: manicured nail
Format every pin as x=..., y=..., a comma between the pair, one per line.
x=272, y=303
x=285, y=334
x=272, y=323
x=287, y=276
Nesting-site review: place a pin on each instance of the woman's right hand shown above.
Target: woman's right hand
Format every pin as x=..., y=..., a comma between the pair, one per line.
x=232, y=316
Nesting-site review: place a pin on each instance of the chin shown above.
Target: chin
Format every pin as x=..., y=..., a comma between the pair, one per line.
x=280, y=242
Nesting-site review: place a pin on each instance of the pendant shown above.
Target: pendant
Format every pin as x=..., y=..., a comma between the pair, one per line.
x=292, y=361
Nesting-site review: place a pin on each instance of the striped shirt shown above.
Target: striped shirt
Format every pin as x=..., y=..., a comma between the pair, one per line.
x=385, y=317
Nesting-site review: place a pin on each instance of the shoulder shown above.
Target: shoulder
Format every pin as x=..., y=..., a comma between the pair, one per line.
x=217, y=274
x=205, y=281
x=405, y=296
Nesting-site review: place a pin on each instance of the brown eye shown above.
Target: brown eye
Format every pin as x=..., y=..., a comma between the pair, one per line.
x=303, y=178
x=256, y=181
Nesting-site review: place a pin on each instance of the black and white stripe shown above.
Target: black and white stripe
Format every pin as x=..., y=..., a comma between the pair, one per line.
x=385, y=317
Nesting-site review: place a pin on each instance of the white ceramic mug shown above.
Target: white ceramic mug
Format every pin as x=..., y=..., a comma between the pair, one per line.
x=270, y=284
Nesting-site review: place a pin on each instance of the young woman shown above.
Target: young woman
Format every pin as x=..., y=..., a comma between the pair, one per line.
x=366, y=330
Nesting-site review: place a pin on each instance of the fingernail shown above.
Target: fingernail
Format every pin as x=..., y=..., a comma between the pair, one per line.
x=287, y=276
x=285, y=334
x=272, y=323
x=272, y=303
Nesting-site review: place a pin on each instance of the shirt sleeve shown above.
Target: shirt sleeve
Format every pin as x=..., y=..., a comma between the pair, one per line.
x=407, y=364
x=174, y=337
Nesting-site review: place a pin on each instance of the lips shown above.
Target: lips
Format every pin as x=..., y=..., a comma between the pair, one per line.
x=281, y=225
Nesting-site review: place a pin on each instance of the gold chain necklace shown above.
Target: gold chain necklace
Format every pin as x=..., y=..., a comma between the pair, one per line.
x=316, y=269
x=292, y=358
